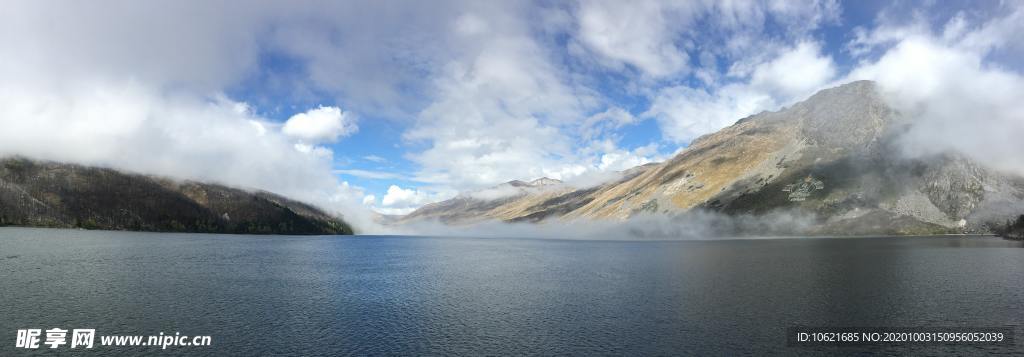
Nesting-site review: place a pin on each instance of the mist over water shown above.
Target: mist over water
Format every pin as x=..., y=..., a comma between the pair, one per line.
x=690, y=225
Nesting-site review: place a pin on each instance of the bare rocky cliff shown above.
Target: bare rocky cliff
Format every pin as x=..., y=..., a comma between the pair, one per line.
x=833, y=159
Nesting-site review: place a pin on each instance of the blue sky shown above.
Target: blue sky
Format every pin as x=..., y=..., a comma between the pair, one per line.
x=385, y=106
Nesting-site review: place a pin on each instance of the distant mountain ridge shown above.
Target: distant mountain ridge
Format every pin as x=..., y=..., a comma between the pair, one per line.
x=833, y=158
x=484, y=204
x=49, y=194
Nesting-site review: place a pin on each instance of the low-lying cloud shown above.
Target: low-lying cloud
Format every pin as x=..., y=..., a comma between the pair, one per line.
x=135, y=128
x=323, y=124
x=692, y=225
x=954, y=97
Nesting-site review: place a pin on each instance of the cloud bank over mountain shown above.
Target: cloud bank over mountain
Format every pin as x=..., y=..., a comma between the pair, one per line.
x=465, y=94
x=947, y=81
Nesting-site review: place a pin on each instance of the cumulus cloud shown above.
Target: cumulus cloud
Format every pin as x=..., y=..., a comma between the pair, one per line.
x=397, y=196
x=323, y=124
x=399, y=200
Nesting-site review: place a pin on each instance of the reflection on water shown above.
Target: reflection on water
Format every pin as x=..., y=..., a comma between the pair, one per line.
x=412, y=295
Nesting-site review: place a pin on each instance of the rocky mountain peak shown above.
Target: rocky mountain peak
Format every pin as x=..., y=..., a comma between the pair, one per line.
x=851, y=116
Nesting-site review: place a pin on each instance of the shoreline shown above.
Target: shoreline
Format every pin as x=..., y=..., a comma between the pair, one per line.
x=778, y=237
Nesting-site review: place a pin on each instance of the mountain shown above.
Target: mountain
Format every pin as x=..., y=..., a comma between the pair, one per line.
x=48, y=194
x=833, y=159
x=511, y=199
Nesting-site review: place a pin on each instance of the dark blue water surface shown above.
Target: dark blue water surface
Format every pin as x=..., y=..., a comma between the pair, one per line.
x=277, y=295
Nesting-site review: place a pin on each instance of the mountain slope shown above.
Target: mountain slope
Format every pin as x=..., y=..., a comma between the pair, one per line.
x=833, y=158
x=510, y=199
x=50, y=194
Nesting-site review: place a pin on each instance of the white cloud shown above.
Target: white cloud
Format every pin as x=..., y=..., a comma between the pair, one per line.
x=323, y=124
x=659, y=38
x=764, y=71
x=619, y=160
x=957, y=100
x=493, y=193
x=795, y=73
x=132, y=126
x=498, y=113
x=635, y=33
x=260, y=128
x=606, y=122
x=685, y=113
x=375, y=158
x=510, y=110
x=470, y=24
x=397, y=196
x=801, y=16
x=162, y=43
x=318, y=151
x=399, y=200
x=369, y=200
x=378, y=175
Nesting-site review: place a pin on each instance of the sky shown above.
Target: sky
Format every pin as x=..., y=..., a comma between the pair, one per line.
x=366, y=107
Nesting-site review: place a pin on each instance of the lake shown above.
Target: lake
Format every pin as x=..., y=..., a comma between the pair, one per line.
x=372, y=295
